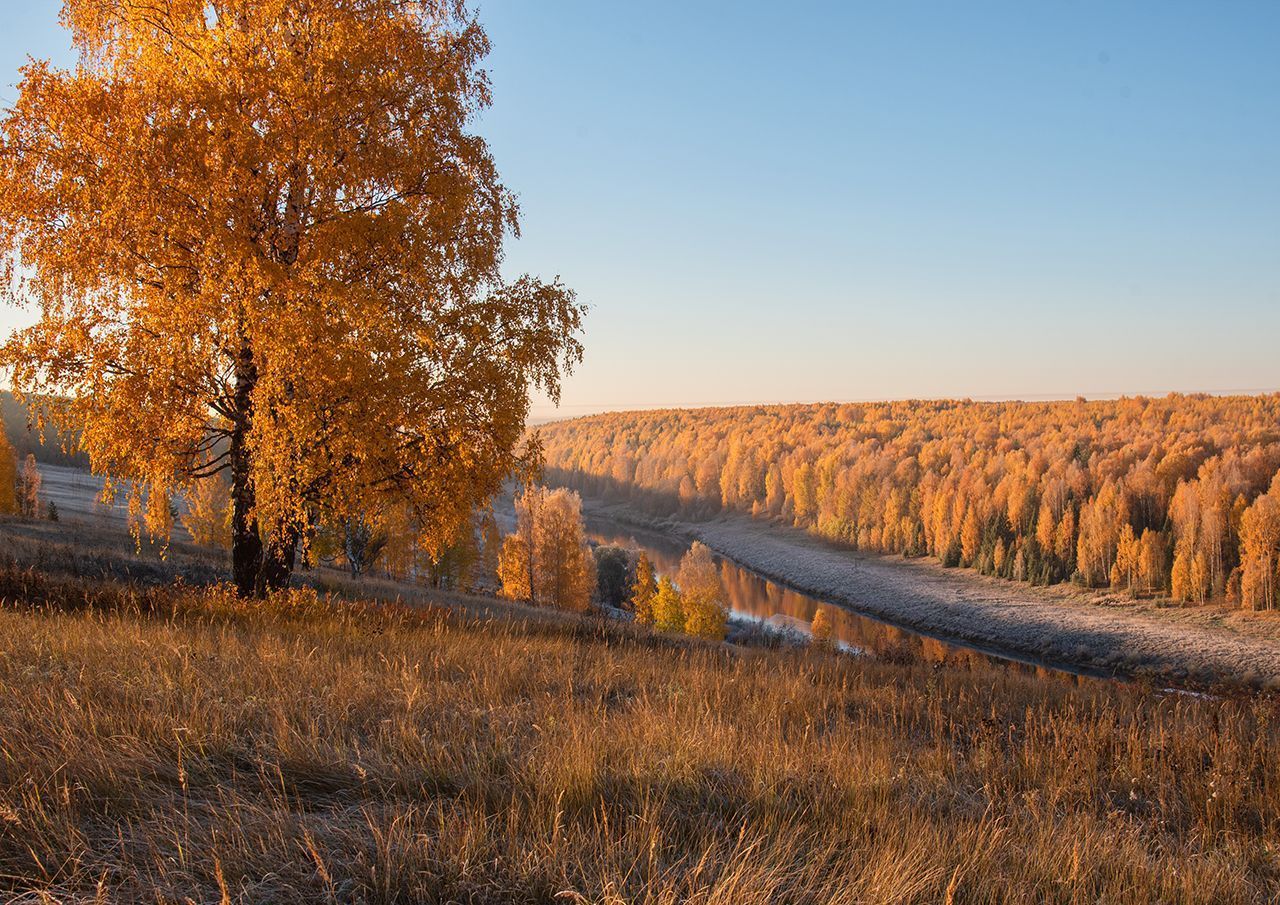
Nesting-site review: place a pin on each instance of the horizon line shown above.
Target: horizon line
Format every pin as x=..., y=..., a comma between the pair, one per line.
x=563, y=411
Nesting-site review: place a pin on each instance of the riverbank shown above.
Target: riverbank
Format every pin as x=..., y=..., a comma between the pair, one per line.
x=1064, y=626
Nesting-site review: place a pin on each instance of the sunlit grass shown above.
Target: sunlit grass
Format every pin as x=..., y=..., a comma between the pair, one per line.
x=175, y=744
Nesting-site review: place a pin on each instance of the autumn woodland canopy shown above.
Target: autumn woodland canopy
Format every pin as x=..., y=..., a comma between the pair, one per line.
x=1177, y=496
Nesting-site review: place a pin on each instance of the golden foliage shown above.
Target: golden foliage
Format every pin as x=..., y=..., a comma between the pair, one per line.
x=1146, y=495
x=703, y=599
x=28, y=490
x=1260, y=550
x=547, y=560
x=8, y=475
x=452, y=567
x=820, y=630
x=208, y=514
x=263, y=232
x=514, y=568
x=644, y=590
x=668, y=607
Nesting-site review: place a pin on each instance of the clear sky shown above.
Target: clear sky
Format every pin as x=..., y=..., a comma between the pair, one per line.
x=775, y=202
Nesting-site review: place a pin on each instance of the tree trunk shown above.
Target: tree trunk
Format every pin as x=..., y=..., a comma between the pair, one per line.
x=257, y=569
x=246, y=544
x=276, y=567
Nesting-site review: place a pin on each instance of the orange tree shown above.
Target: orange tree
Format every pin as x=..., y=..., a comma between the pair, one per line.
x=261, y=237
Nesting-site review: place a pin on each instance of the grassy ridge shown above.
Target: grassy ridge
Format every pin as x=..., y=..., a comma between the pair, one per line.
x=175, y=744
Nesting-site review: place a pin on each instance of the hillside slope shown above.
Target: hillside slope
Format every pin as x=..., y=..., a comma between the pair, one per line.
x=170, y=743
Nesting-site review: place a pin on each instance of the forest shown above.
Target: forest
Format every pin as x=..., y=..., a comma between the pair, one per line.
x=47, y=444
x=1176, y=496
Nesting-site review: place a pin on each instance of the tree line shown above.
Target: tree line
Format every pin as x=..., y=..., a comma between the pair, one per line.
x=1176, y=496
x=547, y=561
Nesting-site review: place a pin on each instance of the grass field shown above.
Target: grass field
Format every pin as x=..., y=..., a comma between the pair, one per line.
x=164, y=742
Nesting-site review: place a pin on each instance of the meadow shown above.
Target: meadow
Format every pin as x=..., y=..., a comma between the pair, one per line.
x=164, y=740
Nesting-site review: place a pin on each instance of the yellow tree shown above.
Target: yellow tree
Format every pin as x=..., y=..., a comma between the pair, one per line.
x=1046, y=529
x=208, y=513
x=1260, y=550
x=29, y=488
x=1152, y=562
x=702, y=594
x=564, y=569
x=643, y=590
x=516, y=558
x=1100, y=526
x=820, y=630
x=8, y=475
x=999, y=557
x=513, y=568
x=970, y=537
x=452, y=567
x=1124, y=571
x=547, y=561
x=668, y=607
x=262, y=237
x=1064, y=539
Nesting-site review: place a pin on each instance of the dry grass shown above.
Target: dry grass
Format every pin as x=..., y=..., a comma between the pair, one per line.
x=172, y=744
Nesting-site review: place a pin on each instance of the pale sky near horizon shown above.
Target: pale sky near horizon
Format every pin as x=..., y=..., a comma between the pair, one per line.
x=882, y=200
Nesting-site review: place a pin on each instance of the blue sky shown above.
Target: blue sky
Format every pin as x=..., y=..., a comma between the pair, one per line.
x=860, y=201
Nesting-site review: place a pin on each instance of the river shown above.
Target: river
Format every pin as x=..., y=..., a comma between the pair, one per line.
x=752, y=596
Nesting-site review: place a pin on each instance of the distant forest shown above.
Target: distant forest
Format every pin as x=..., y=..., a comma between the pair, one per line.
x=25, y=441
x=1177, y=496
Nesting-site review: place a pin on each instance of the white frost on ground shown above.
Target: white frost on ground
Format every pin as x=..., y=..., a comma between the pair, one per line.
x=76, y=493
x=1062, y=625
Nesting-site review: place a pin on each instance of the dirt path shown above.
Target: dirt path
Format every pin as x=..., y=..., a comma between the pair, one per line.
x=1202, y=645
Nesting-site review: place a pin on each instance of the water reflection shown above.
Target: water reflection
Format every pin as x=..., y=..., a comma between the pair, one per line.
x=754, y=596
